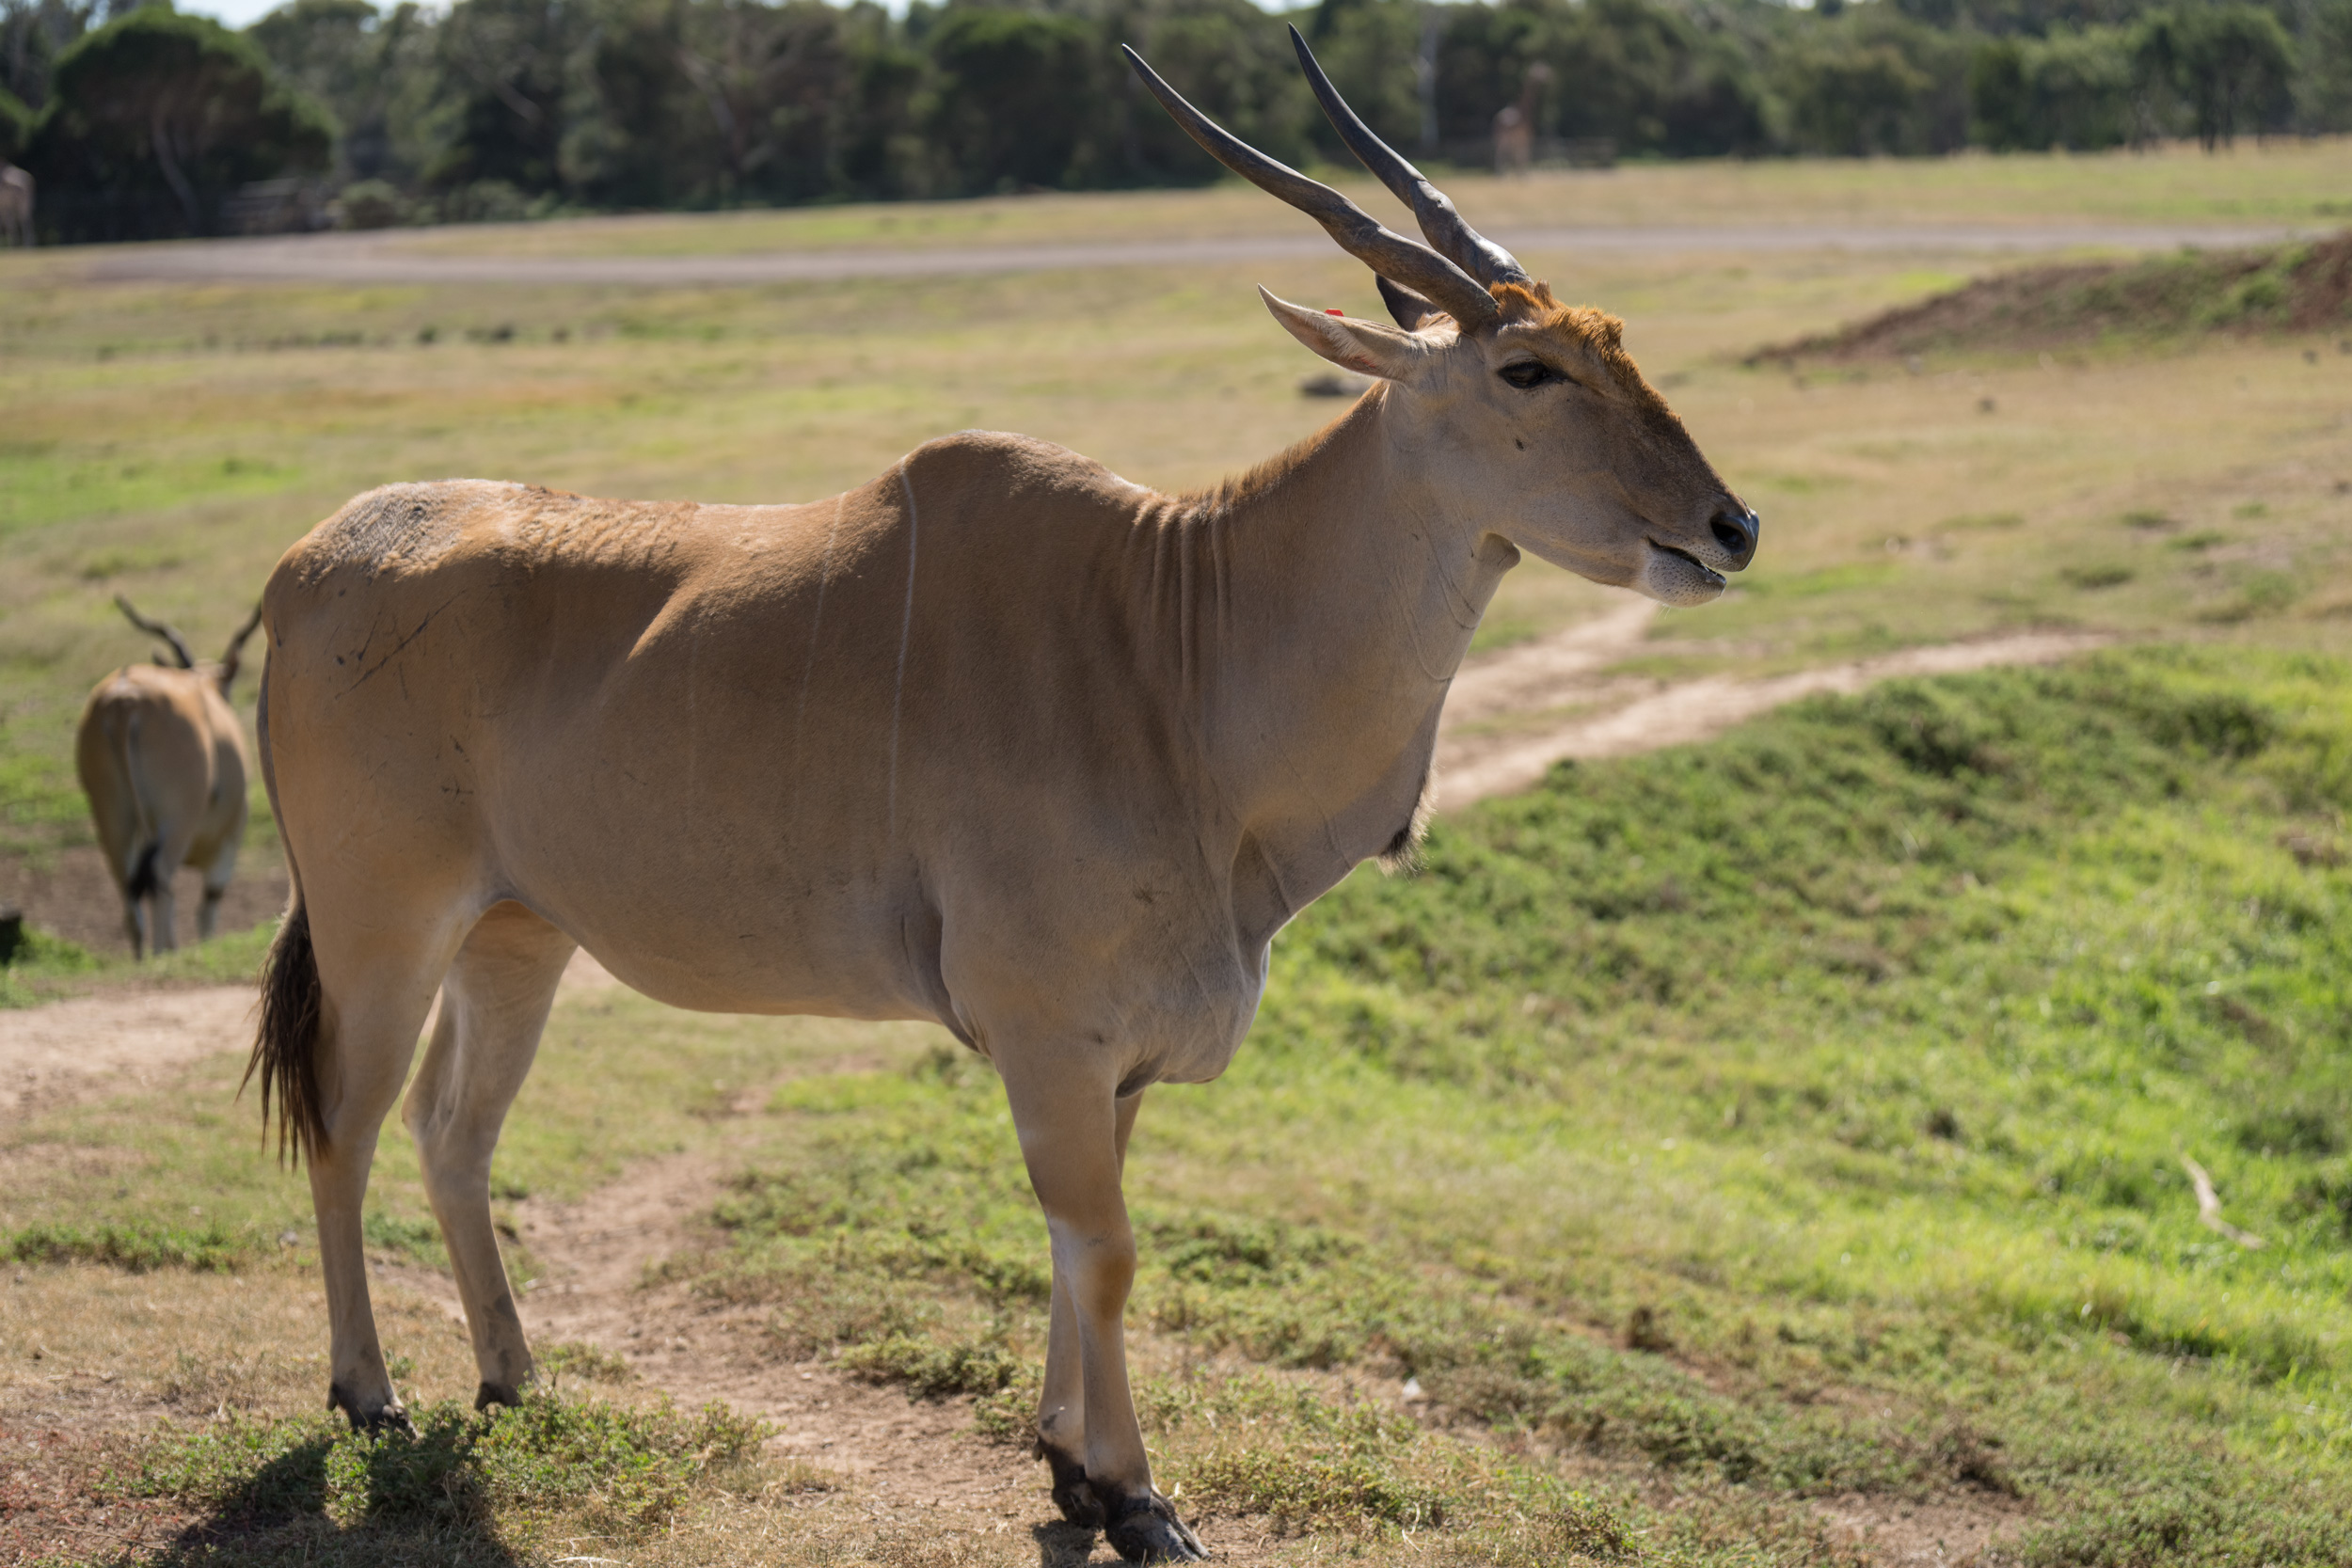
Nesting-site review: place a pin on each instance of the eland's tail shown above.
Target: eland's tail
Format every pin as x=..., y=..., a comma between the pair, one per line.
x=286, y=1048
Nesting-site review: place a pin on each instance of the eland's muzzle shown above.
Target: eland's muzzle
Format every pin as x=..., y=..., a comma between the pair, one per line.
x=1736, y=533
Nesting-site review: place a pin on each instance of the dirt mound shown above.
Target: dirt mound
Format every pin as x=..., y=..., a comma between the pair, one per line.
x=2300, y=286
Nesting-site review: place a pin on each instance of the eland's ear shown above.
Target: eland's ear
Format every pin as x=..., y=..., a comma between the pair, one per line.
x=1366, y=347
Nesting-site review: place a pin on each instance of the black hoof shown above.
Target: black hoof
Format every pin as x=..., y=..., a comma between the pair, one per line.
x=1073, y=1495
x=389, y=1417
x=492, y=1393
x=1151, y=1532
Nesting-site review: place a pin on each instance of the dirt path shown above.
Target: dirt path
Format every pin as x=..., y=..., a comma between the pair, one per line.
x=124, y=1039
x=1499, y=743
x=1542, y=676
x=903, y=1461
x=68, y=1048
x=595, y=1255
x=394, y=257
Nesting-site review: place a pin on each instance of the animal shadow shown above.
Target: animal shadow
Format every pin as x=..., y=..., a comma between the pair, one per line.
x=1061, y=1544
x=407, y=1496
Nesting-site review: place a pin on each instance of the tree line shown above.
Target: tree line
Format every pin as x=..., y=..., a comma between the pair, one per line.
x=140, y=122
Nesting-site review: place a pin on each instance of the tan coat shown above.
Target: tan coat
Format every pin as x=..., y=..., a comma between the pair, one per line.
x=162, y=760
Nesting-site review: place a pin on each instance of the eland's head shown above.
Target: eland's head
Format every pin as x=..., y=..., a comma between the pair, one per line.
x=1528, y=411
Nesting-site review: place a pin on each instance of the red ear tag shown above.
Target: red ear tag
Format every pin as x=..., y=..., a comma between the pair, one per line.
x=1328, y=312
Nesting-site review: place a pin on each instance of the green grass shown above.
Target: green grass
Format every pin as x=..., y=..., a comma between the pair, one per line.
x=135, y=1247
x=47, y=966
x=1844, y=1066
x=2283, y=182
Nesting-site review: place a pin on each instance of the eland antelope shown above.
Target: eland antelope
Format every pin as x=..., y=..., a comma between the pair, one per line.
x=162, y=759
x=999, y=741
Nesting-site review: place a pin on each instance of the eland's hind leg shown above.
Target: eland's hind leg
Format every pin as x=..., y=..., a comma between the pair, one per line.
x=373, y=985
x=170, y=852
x=1073, y=1137
x=493, y=1003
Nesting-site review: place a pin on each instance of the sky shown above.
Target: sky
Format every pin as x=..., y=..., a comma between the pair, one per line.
x=236, y=13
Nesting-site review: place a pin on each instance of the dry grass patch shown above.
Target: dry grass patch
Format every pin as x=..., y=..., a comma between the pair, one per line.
x=2296, y=286
x=88, y=1347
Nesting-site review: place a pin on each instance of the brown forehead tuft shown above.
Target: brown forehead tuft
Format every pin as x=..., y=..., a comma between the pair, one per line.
x=1597, y=332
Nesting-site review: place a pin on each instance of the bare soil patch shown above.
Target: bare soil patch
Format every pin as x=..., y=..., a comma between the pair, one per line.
x=104, y=1043
x=121, y=1040
x=2294, y=286
x=72, y=895
x=1947, y=1532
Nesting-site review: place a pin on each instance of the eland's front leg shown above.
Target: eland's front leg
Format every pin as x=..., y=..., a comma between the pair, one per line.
x=1073, y=1137
x=1062, y=1409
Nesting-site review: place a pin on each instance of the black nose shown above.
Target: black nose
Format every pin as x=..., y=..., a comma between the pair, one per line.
x=1736, y=531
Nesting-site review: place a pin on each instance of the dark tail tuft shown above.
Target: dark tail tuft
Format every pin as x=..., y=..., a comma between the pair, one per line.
x=142, y=882
x=285, y=1053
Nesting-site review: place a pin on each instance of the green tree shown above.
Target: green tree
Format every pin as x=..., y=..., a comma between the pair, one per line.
x=1370, y=48
x=2231, y=65
x=33, y=33
x=155, y=119
x=1225, y=55
x=1855, y=100
x=374, y=71
x=2071, y=89
x=2324, y=86
x=1647, y=76
x=2000, y=96
x=1870, y=81
x=512, y=75
x=716, y=104
x=16, y=127
x=1017, y=100
x=876, y=149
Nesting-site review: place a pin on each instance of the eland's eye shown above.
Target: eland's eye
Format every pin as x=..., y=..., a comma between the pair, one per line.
x=1529, y=373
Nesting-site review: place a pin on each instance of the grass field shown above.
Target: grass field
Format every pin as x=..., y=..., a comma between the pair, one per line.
x=2300, y=184
x=1793, y=1118
x=1728, y=1143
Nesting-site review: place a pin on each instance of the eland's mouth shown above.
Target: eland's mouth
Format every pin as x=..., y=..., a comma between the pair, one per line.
x=1707, y=574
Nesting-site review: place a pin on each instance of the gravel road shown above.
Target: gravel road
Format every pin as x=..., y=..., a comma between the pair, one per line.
x=394, y=257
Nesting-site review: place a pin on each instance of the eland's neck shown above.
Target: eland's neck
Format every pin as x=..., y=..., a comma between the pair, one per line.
x=1346, y=595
